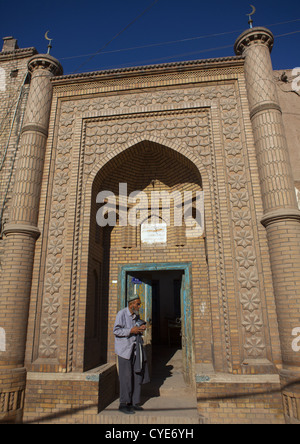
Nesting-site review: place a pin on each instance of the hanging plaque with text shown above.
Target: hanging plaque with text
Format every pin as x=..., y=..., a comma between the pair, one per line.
x=154, y=233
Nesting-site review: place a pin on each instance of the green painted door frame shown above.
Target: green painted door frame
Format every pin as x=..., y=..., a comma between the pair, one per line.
x=186, y=304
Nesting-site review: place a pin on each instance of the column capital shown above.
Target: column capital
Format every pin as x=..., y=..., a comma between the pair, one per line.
x=257, y=35
x=23, y=229
x=47, y=62
x=280, y=215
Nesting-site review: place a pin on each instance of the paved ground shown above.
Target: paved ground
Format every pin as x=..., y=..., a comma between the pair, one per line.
x=166, y=400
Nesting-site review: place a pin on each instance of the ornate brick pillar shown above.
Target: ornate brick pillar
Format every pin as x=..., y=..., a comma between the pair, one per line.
x=281, y=215
x=21, y=234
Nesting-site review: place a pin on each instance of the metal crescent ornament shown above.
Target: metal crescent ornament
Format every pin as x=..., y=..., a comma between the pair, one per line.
x=253, y=11
x=50, y=42
x=46, y=36
x=250, y=22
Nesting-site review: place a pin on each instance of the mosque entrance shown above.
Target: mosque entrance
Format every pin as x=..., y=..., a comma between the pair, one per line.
x=164, y=292
x=155, y=225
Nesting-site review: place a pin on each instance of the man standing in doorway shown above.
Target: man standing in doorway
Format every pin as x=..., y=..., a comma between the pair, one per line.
x=131, y=356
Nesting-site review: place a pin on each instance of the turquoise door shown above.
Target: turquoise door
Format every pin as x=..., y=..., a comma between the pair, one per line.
x=133, y=280
x=141, y=286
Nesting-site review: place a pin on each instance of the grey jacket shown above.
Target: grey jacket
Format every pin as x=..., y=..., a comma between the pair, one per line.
x=124, y=341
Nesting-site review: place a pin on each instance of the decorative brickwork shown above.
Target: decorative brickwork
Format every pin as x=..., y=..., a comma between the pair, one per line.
x=213, y=127
x=281, y=214
x=190, y=127
x=22, y=232
x=94, y=137
x=13, y=96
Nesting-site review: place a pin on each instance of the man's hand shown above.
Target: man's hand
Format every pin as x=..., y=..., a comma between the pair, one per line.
x=137, y=330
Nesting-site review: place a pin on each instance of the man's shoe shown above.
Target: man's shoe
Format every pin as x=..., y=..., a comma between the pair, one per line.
x=128, y=410
x=138, y=408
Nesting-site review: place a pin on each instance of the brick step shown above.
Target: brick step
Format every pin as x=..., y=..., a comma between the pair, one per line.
x=179, y=408
x=166, y=399
x=143, y=419
x=167, y=390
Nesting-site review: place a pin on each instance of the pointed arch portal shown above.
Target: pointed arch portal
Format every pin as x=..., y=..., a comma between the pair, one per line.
x=118, y=252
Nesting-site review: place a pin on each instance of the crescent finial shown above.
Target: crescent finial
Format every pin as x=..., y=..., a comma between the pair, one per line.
x=46, y=36
x=250, y=15
x=49, y=40
x=253, y=10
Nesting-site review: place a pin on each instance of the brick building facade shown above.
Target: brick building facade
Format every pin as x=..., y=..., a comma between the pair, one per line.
x=219, y=128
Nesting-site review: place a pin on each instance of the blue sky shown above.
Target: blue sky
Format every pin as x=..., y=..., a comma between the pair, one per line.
x=81, y=28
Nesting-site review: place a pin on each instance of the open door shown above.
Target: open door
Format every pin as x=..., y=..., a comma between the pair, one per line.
x=142, y=287
x=186, y=332
x=154, y=284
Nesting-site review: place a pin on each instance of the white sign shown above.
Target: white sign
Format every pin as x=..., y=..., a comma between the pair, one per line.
x=154, y=233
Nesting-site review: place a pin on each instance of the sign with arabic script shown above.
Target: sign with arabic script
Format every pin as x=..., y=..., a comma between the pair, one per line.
x=154, y=233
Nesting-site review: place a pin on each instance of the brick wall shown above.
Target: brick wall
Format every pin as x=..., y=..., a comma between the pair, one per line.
x=240, y=403
x=69, y=398
x=86, y=153
x=13, y=96
x=12, y=383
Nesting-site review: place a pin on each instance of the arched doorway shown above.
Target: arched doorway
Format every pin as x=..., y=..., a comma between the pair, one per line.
x=175, y=182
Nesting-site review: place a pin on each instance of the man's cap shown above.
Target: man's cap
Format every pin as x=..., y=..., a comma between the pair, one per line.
x=132, y=297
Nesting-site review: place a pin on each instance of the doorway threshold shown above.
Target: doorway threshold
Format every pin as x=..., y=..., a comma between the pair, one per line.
x=167, y=373
x=165, y=400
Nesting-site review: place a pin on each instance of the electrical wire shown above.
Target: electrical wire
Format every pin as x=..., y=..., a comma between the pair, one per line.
x=153, y=45
x=174, y=56
x=288, y=33
x=117, y=35
x=12, y=164
x=13, y=122
x=149, y=61
x=173, y=42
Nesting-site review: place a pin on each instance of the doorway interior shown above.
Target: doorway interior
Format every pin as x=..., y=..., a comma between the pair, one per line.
x=165, y=293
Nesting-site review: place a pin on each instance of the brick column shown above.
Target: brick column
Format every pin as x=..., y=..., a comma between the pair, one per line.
x=281, y=215
x=21, y=234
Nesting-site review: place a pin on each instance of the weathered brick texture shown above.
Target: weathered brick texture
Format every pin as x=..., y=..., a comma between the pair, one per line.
x=211, y=126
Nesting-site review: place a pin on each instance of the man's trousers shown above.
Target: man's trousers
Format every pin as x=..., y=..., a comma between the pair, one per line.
x=130, y=382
